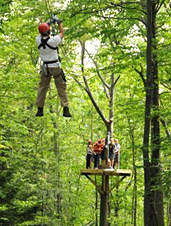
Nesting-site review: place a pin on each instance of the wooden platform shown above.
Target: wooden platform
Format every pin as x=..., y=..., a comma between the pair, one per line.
x=109, y=172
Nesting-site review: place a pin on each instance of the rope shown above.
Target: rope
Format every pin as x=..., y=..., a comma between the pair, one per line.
x=49, y=10
x=50, y=13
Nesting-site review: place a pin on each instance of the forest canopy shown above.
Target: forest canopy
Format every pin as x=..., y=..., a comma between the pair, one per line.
x=116, y=57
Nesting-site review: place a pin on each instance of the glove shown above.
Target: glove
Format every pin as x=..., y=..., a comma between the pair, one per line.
x=54, y=20
x=58, y=21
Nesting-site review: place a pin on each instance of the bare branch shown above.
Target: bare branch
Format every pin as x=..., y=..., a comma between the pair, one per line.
x=165, y=127
x=105, y=85
x=159, y=6
x=116, y=80
x=79, y=83
x=141, y=75
x=97, y=70
x=95, y=103
x=166, y=85
x=88, y=88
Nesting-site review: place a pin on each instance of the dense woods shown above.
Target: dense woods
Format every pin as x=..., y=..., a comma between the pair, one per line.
x=116, y=56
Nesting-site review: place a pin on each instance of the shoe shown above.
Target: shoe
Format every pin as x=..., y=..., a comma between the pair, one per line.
x=66, y=112
x=39, y=112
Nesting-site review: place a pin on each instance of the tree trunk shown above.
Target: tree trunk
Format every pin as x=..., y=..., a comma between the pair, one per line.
x=153, y=199
x=157, y=212
x=148, y=87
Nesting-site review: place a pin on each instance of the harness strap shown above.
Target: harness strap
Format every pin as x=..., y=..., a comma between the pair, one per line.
x=44, y=44
x=50, y=62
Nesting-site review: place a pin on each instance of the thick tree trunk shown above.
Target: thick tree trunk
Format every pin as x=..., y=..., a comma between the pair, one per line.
x=153, y=199
x=147, y=177
x=157, y=212
x=157, y=196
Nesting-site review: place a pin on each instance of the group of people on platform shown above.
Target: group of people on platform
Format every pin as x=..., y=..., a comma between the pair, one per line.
x=98, y=150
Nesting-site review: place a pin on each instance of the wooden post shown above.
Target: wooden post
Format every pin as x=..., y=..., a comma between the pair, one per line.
x=103, y=188
x=104, y=201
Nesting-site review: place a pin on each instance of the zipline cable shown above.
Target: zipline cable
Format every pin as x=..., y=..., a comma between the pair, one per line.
x=50, y=13
x=49, y=10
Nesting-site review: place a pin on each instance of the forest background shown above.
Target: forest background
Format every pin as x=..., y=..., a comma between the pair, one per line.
x=41, y=158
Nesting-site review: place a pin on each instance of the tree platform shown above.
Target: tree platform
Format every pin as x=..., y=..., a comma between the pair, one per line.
x=106, y=172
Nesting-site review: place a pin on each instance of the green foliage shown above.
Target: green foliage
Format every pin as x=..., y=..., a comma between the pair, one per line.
x=40, y=158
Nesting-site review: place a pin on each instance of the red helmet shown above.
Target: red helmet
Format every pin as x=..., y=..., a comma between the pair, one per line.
x=44, y=27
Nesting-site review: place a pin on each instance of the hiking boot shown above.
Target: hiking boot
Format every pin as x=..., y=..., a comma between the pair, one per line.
x=39, y=112
x=66, y=112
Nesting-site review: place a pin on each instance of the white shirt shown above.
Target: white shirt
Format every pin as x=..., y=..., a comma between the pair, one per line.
x=117, y=149
x=49, y=54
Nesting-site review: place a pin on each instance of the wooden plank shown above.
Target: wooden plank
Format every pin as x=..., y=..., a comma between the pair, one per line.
x=110, y=172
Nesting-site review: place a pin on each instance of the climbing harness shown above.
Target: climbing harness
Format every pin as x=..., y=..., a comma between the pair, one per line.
x=44, y=44
x=44, y=41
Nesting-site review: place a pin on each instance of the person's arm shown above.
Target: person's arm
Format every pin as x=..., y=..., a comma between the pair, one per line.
x=60, y=27
x=61, y=30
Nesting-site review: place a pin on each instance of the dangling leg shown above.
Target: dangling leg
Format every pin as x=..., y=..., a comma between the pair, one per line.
x=61, y=86
x=41, y=95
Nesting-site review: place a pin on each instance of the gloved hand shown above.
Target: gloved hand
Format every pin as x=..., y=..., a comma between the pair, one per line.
x=58, y=21
x=55, y=20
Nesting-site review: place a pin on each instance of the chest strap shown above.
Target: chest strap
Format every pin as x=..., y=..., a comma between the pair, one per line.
x=44, y=44
x=50, y=62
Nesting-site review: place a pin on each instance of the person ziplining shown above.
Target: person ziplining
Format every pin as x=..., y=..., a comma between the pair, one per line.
x=51, y=66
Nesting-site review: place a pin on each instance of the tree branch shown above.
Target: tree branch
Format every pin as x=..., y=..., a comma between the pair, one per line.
x=166, y=85
x=159, y=6
x=97, y=70
x=141, y=75
x=95, y=103
x=116, y=80
x=88, y=88
x=165, y=127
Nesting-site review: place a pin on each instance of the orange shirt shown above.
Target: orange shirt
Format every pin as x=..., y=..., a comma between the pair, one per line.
x=98, y=147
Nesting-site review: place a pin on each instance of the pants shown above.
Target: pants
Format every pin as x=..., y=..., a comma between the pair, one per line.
x=96, y=160
x=88, y=161
x=60, y=83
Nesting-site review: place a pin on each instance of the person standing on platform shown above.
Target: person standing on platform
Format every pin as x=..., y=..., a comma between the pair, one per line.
x=97, y=148
x=89, y=154
x=116, y=154
x=103, y=155
x=111, y=153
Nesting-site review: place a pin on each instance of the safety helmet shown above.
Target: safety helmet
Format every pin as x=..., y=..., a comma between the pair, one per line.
x=44, y=27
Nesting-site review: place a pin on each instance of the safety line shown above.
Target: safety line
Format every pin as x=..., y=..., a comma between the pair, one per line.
x=49, y=10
